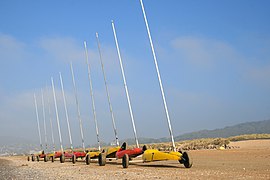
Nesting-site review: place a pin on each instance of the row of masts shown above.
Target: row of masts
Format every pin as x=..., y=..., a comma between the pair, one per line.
x=92, y=97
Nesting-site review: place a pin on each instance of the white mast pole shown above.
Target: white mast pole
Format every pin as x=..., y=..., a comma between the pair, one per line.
x=57, y=116
x=39, y=134
x=125, y=84
x=77, y=103
x=92, y=94
x=107, y=91
x=44, y=120
x=159, y=78
x=66, y=111
x=50, y=115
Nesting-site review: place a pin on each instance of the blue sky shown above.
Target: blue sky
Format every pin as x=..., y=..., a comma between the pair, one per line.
x=214, y=60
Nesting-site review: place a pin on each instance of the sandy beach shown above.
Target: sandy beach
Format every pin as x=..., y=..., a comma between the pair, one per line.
x=250, y=161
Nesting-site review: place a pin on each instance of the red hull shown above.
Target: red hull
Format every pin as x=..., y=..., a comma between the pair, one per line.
x=79, y=154
x=41, y=155
x=132, y=153
x=57, y=154
x=67, y=155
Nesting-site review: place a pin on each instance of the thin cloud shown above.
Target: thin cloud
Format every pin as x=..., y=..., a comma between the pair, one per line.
x=203, y=52
x=11, y=49
x=220, y=56
x=62, y=49
x=16, y=112
x=66, y=49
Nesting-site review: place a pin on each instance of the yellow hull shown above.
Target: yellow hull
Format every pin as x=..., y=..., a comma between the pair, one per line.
x=50, y=155
x=110, y=152
x=93, y=155
x=155, y=155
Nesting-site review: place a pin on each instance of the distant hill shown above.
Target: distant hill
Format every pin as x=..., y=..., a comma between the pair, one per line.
x=258, y=127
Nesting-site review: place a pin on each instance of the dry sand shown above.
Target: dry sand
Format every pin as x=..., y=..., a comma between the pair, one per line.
x=250, y=161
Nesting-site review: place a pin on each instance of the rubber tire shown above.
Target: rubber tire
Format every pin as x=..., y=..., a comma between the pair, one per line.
x=62, y=158
x=125, y=161
x=73, y=158
x=28, y=158
x=102, y=159
x=87, y=159
x=45, y=158
x=33, y=158
x=52, y=158
x=37, y=158
x=187, y=160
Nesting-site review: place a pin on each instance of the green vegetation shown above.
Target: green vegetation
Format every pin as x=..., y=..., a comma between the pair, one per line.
x=206, y=143
x=196, y=144
x=249, y=137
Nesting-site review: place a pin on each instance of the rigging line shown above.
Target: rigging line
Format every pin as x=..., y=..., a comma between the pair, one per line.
x=125, y=85
x=37, y=115
x=66, y=111
x=44, y=120
x=50, y=117
x=158, y=74
x=92, y=94
x=77, y=104
x=107, y=91
x=57, y=116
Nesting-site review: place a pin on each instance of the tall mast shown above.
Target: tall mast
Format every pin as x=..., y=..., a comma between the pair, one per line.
x=125, y=84
x=44, y=120
x=57, y=116
x=39, y=134
x=77, y=103
x=50, y=116
x=107, y=91
x=66, y=111
x=158, y=74
x=92, y=94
